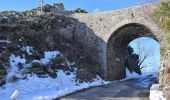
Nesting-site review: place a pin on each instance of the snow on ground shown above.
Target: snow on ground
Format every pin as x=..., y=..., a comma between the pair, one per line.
x=35, y=88
x=28, y=49
x=49, y=55
x=145, y=80
x=13, y=70
x=5, y=41
x=144, y=74
x=155, y=94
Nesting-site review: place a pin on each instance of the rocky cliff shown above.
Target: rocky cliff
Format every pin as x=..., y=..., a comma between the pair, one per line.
x=20, y=31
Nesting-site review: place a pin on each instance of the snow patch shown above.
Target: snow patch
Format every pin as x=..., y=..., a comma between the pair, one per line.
x=35, y=88
x=5, y=41
x=28, y=49
x=145, y=80
x=144, y=74
x=13, y=68
x=48, y=55
x=155, y=94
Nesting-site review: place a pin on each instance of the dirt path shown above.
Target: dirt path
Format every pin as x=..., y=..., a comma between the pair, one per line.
x=134, y=89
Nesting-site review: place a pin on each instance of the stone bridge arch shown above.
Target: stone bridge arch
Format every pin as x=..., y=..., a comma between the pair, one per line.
x=117, y=41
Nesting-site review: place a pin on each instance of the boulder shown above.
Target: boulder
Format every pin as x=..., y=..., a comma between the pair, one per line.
x=79, y=10
x=47, y=7
x=59, y=6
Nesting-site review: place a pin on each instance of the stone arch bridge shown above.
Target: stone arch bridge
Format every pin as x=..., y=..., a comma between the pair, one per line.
x=117, y=29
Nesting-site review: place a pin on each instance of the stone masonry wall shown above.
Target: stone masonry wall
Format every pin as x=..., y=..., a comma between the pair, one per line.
x=104, y=25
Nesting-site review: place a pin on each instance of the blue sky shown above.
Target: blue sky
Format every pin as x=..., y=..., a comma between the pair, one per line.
x=89, y=5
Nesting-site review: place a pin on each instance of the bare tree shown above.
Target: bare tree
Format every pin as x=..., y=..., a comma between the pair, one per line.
x=144, y=52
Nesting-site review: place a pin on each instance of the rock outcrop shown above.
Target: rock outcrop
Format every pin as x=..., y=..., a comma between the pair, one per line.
x=48, y=32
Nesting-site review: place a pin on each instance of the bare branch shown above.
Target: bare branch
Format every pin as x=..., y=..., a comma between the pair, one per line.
x=143, y=67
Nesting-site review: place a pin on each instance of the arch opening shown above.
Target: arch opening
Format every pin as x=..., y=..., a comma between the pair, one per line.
x=117, y=46
x=142, y=56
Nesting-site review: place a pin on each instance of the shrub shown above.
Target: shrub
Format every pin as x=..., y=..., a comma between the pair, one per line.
x=166, y=24
x=4, y=28
x=162, y=15
x=79, y=10
x=162, y=51
x=68, y=73
x=37, y=56
x=39, y=69
x=60, y=59
x=20, y=66
x=52, y=74
x=2, y=82
x=36, y=65
x=3, y=72
x=14, y=78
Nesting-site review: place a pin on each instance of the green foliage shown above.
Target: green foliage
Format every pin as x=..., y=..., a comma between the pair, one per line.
x=37, y=56
x=3, y=72
x=162, y=15
x=162, y=50
x=36, y=65
x=7, y=12
x=166, y=24
x=59, y=60
x=42, y=70
x=52, y=74
x=164, y=8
